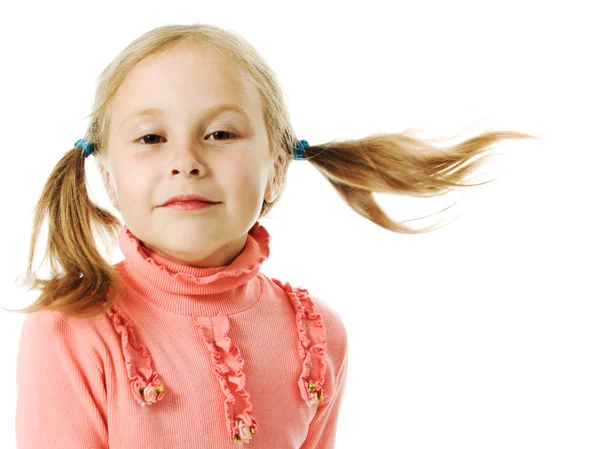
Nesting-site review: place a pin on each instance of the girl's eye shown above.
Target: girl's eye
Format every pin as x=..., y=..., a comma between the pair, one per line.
x=226, y=132
x=149, y=135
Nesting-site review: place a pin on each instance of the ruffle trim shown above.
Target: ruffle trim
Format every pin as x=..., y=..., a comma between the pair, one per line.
x=312, y=343
x=228, y=367
x=259, y=233
x=145, y=384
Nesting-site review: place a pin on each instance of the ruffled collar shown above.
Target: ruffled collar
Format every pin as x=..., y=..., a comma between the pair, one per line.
x=195, y=291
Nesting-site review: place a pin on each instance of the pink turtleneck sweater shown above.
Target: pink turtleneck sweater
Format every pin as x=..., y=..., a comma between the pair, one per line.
x=187, y=358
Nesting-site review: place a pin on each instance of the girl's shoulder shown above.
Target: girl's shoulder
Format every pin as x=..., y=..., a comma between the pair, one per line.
x=78, y=335
x=57, y=337
x=313, y=307
x=321, y=328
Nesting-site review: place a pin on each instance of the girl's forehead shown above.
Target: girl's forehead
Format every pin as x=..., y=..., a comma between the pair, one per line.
x=187, y=69
x=181, y=80
x=186, y=63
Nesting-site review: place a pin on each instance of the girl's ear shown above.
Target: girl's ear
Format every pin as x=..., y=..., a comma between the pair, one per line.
x=109, y=185
x=273, y=186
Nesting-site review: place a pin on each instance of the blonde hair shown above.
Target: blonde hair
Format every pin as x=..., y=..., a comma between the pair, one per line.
x=82, y=280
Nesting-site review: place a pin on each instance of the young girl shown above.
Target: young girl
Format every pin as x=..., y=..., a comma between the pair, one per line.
x=185, y=343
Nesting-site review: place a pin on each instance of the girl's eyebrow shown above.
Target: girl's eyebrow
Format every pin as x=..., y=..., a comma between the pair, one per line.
x=208, y=112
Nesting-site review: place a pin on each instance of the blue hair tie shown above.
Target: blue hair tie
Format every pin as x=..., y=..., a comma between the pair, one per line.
x=299, y=150
x=86, y=145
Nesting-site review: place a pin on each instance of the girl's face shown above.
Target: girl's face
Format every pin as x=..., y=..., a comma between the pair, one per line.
x=186, y=145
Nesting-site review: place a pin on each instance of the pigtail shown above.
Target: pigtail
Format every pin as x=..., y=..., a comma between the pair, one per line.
x=80, y=276
x=400, y=164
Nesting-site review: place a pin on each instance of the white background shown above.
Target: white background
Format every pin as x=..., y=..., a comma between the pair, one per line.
x=482, y=334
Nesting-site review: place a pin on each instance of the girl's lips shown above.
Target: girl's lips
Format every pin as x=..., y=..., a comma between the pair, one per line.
x=189, y=205
x=188, y=197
